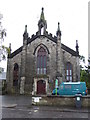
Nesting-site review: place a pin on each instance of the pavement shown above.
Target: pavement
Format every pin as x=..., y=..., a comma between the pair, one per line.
x=26, y=101
x=14, y=100
x=21, y=107
x=9, y=106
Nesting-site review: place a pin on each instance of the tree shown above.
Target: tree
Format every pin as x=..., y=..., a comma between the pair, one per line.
x=85, y=72
x=3, y=49
x=82, y=60
x=84, y=77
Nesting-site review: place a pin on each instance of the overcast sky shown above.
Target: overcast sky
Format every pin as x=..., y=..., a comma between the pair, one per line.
x=72, y=15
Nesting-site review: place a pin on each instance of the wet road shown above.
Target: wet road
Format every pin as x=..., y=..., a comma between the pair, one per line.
x=24, y=109
x=41, y=112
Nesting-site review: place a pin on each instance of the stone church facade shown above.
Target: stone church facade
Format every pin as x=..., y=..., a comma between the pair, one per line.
x=34, y=67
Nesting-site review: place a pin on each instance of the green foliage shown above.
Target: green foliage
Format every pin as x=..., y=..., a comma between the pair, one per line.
x=82, y=58
x=3, y=49
x=2, y=34
x=85, y=72
x=4, y=87
x=1, y=69
x=84, y=77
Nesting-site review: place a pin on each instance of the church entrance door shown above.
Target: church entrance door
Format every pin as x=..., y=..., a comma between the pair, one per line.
x=41, y=87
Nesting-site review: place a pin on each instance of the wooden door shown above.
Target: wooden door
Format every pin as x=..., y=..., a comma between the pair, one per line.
x=41, y=87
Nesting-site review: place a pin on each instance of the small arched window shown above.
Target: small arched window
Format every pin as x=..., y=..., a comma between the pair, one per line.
x=41, y=61
x=15, y=74
x=42, y=30
x=69, y=72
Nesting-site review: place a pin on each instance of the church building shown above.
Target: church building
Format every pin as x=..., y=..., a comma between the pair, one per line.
x=34, y=67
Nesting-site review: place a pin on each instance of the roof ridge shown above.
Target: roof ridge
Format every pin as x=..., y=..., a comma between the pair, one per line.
x=49, y=36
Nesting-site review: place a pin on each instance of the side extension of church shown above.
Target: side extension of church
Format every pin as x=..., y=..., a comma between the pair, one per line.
x=34, y=67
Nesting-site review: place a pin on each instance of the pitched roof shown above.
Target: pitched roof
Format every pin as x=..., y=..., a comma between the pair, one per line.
x=74, y=53
x=15, y=52
x=49, y=36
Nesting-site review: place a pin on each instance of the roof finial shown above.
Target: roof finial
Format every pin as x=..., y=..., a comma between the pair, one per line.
x=42, y=14
x=42, y=9
x=9, y=50
x=77, y=47
x=42, y=23
x=58, y=26
x=25, y=35
x=25, y=28
x=58, y=30
x=10, y=47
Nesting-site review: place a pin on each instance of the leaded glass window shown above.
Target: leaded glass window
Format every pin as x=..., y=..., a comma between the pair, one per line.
x=41, y=61
x=68, y=72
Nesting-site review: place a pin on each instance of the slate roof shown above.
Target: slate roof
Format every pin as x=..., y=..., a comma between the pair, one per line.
x=49, y=36
x=15, y=52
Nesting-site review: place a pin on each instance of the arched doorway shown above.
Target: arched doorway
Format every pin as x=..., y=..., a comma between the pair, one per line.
x=41, y=87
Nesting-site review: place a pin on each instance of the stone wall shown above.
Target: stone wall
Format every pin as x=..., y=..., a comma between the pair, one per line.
x=10, y=67
x=61, y=101
x=26, y=59
x=31, y=58
x=67, y=57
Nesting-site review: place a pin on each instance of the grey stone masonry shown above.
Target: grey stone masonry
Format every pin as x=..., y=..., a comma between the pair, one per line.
x=23, y=68
x=59, y=61
x=8, y=75
x=51, y=64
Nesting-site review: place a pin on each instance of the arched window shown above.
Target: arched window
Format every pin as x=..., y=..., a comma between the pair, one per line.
x=41, y=61
x=15, y=74
x=68, y=72
x=42, y=30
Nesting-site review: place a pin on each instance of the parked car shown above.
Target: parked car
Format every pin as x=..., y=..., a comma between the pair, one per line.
x=71, y=88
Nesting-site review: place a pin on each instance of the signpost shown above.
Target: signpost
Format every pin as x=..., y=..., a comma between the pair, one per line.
x=56, y=85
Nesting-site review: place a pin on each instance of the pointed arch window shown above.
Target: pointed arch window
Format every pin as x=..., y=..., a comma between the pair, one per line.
x=42, y=30
x=41, y=61
x=68, y=72
x=15, y=74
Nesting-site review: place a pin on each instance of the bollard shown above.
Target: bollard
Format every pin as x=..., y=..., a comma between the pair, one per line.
x=78, y=101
